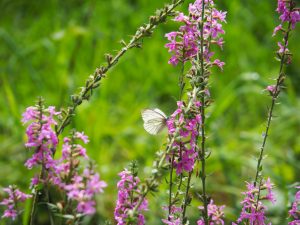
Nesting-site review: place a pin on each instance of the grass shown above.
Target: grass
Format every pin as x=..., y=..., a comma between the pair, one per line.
x=48, y=49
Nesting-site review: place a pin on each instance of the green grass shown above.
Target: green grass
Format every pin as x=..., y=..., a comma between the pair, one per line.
x=49, y=48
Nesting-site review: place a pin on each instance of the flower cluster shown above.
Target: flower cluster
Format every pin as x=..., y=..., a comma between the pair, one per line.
x=215, y=214
x=81, y=186
x=65, y=172
x=82, y=190
x=295, y=210
x=68, y=165
x=174, y=217
x=287, y=12
x=41, y=135
x=127, y=200
x=14, y=197
x=172, y=221
x=184, y=44
x=253, y=211
x=184, y=148
x=290, y=15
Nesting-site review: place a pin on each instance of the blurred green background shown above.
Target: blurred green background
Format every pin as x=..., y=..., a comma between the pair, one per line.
x=48, y=48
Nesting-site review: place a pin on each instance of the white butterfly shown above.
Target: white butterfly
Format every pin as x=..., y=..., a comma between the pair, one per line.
x=154, y=120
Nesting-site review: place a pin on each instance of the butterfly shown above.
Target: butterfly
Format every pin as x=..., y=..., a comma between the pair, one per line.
x=154, y=120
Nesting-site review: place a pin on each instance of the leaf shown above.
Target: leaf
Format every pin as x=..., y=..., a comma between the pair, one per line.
x=66, y=216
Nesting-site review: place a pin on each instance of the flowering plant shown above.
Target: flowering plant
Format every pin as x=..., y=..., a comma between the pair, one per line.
x=66, y=181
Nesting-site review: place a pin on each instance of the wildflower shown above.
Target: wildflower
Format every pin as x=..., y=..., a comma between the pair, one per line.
x=82, y=190
x=253, y=210
x=184, y=44
x=82, y=136
x=81, y=185
x=218, y=63
x=172, y=221
x=294, y=212
x=41, y=137
x=174, y=217
x=215, y=214
x=14, y=197
x=67, y=167
x=278, y=28
x=184, y=148
x=126, y=202
x=271, y=89
x=288, y=13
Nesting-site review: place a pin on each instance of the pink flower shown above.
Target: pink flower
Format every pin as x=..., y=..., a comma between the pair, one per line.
x=188, y=125
x=30, y=114
x=15, y=196
x=184, y=44
x=278, y=28
x=253, y=211
x=86, y=207
x=215, y=214
x=287, y=14
x=294, y=212
x=271, y=89
x=172, y=221
x=127, y=187
x=282, y=48
x=218, y=63
x=82, y=136
x=83, y=188
x=41, y=136
x=174, y=217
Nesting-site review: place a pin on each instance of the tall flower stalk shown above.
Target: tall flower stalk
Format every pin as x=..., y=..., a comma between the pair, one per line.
x=289, y=16
x=78, y=186
x=128, y=199
x=253, y=211
x=43, y=140
x=46, y=157
x=294, y=212
x=192, y=43
x=186, y=145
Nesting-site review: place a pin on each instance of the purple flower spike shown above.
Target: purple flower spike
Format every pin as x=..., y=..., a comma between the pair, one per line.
x=15, y=196
x=253, y=211
x=185, y=44
x=185, y=151
x=127, y=187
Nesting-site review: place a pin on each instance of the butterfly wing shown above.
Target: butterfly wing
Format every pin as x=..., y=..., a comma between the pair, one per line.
x=154, y=120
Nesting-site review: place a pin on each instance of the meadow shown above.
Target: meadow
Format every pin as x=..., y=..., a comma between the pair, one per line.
x=49, y=48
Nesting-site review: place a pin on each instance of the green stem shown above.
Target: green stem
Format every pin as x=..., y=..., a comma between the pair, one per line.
x=171, y=185
x=186, y=196
x=274, y=98
x=181, y=88
x=279, y=82
x=35, y=198
x=151, y=182
x=202, y=111
x=94, y=81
